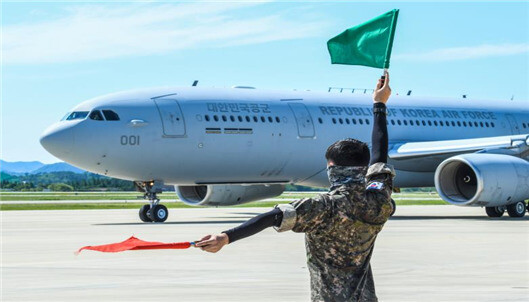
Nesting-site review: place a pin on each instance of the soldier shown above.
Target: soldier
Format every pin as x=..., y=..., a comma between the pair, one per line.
x=341, y=225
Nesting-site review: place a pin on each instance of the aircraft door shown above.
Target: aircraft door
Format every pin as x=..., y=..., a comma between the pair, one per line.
x=303, y=120
x=172, y=117
x=512, y=122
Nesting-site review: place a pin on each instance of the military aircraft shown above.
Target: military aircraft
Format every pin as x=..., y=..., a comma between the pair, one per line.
x=227, y=146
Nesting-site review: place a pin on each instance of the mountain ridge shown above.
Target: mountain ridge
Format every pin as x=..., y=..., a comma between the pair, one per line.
x=35, y=167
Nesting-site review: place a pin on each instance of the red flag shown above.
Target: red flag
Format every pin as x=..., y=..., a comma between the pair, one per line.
x=134, y=243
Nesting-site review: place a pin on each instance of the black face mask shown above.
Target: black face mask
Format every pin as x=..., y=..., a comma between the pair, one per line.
x=344, y=175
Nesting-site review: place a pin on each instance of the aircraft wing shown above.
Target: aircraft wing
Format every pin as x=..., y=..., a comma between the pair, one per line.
x=413, y=150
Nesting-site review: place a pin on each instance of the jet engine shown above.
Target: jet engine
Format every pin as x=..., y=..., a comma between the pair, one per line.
x=225, y=195
x=489, y=180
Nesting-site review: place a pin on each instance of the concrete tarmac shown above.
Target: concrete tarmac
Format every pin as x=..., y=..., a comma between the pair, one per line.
x=424, y=253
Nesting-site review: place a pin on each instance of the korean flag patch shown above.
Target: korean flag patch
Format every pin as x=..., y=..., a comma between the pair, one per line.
x=375, y=186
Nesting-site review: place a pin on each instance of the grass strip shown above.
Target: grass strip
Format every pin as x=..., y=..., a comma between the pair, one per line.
x=172, y=205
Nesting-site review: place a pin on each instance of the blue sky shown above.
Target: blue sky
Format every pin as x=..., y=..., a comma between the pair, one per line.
x=57, y=54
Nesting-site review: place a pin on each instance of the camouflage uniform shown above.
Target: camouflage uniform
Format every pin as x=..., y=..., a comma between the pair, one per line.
x=340, y=230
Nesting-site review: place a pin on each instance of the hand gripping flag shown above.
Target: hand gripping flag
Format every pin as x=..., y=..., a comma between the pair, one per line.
x=367, y=44
x=134, y=243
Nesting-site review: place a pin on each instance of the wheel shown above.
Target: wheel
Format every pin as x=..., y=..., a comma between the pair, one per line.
x=394, y=205
x=516, y=209
x=159, y=213
x=494, y=211
x=143, y=213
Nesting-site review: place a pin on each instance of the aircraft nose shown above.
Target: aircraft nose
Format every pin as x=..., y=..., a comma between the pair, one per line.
x=58, y=140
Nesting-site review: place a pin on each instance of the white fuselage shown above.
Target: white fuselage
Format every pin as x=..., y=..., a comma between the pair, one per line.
x=196, y=135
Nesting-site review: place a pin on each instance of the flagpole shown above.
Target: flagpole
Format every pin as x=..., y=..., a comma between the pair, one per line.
x=383, y=76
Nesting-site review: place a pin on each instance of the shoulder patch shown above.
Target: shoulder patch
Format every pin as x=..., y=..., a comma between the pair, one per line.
x=375, y=185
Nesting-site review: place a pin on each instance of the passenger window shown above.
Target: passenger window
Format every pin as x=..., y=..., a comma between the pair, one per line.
x=458, y=123
x=399, y=122
x=340, y=120
x=247, y=119
x=216, y=118
x=279, y=121
x=435, y=123
x=239, y=118
x=333, y=120
x=367, y=122
x=206, y=117
x=319, y=120
x=481, y=124
x=224, y=118
x=492, y=124
x=360, y=121
x=96, y=115
x=354, y=121
x=464, y=124
x=110, y=115
x=347, y=121
x=423, y=123
x=405, y=122
x=263, y=119
x=441, y=123
x=255, y=119
x=232, y=118
x=270, y=119
x=475, y=124
x=487, y=124
x=393, y=122
x=453, y=124
x=429, y=123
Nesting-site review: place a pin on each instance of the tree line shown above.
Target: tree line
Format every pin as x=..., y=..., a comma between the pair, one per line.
x=63, y=181
x=70, y=181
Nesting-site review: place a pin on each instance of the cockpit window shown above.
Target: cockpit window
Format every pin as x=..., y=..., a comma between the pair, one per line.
x=77, y=115
x=66, y=116
x=111, y=115
x=96, y=115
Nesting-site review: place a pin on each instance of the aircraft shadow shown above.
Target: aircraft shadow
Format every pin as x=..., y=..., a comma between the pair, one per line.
x=175, y=222
x=484, y=218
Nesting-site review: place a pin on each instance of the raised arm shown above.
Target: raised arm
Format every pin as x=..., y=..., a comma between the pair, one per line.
x=376, y=207
x=379, y=136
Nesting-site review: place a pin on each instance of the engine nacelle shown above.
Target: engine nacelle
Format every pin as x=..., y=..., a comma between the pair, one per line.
x=225, y=195
x=483, y=179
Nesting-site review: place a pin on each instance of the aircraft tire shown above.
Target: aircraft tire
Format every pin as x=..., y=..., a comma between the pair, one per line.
x=394, y=205
x=143, y=213
x=159, y=213
x=494, y=212
x=516, y=210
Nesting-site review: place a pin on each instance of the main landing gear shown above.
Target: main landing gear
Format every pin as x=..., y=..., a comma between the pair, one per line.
x=154, y=211
x=516, y=210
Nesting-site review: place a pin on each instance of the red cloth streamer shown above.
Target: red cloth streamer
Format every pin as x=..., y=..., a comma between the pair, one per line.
x=134, y=243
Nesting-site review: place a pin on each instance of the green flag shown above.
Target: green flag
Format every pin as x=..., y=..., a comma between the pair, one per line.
x=367, y=44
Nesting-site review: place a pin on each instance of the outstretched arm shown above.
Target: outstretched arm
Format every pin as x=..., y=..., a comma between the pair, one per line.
x=379, y=136
x=213, y=243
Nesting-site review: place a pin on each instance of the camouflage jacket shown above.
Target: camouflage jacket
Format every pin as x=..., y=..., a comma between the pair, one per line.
x=340, y=230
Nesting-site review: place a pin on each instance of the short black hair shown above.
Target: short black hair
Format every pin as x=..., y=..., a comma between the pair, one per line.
x=348, y=152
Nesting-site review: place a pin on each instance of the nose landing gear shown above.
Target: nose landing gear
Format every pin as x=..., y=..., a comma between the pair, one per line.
x=154, y=211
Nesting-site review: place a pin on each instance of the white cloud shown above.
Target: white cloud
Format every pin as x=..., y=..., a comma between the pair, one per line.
x=101, y=32
x=466, y=53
